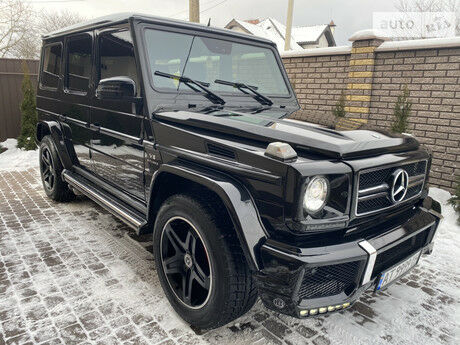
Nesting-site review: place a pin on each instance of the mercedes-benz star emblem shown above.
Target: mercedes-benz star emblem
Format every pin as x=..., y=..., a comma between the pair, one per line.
x=399, y=186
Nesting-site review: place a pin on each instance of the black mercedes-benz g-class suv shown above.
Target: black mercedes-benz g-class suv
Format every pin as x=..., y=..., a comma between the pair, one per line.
x=182, y=130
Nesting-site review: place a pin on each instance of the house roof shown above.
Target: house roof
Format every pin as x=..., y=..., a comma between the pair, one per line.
x=308, y=34
x=273, y=30
x=270, y=29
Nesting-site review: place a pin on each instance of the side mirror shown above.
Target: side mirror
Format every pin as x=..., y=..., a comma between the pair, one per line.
x=116, y=88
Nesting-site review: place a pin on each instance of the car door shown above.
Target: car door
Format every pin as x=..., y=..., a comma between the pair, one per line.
x=75, y=99
x=117, y=150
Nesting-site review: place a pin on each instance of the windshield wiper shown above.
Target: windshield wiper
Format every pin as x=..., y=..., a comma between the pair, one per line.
x=214, y=98
x=264, y=100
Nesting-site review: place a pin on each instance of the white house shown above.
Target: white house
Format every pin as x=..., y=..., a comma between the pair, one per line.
x=302, y=37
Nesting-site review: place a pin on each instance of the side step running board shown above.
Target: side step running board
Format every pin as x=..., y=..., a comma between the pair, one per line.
x=129, y=216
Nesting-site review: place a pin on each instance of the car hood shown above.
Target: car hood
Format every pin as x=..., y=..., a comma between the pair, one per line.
x=302, y=136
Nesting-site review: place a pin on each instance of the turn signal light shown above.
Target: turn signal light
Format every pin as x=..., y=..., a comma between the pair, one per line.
x=281, y=151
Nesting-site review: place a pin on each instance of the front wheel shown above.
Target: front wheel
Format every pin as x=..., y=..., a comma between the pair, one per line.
x=200, y=264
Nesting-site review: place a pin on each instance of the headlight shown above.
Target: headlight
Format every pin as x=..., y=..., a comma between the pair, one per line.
x=316, y=194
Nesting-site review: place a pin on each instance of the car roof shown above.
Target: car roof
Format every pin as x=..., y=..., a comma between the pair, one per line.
x=126, y=16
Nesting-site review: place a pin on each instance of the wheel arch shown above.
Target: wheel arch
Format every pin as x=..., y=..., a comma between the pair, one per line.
x=236, y=200
x=53, y=129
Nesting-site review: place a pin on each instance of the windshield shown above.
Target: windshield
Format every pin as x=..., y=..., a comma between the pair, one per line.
x=208, y=59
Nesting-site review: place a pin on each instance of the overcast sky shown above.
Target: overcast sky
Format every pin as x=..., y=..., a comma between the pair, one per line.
x=349, y=15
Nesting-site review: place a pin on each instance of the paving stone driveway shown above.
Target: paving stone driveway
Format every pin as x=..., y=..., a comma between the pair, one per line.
x=69, y=273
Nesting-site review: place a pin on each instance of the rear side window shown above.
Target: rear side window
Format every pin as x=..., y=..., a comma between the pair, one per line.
x=52, y=55
x=79, y=52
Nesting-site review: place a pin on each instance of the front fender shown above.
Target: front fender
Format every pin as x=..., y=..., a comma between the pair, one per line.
x=237, y=200
x=53, y=129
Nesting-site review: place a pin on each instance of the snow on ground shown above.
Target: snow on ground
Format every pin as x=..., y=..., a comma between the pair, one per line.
x=96, y=265
x=14, y=158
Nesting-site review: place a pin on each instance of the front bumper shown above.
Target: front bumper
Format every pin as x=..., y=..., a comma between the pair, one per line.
x=308, y=281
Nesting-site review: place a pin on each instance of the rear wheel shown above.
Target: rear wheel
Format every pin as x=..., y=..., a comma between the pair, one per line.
x=50, y=171
x=200, y=264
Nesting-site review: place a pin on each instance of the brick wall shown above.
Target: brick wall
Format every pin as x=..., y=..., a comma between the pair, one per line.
x=372, y=74
x=318, y=78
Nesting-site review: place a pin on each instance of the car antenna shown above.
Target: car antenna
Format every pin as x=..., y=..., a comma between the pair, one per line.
x=209, y=21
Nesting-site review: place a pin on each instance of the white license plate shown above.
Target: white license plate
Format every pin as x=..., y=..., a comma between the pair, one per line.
x=397, y=271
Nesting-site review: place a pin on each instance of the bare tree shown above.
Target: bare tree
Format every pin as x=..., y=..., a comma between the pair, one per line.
x=21, y=27
x=15, y=21
x=52, y=21
x=44, y=23
x=407, y=6
x=427, y=5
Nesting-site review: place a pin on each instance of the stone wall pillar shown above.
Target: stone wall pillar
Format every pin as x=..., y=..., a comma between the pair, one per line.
x=361, y=69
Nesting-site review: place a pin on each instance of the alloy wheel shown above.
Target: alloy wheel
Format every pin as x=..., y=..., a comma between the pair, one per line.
x=47, y=168
x=186, y=262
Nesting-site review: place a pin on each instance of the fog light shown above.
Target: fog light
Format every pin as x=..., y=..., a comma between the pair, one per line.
x=346, y=305
x=303, y=312
x=330, y=308
x=322, y=310
x=313, y=311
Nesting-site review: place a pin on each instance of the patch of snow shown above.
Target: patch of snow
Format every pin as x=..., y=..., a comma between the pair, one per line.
x=368, y=34
x=17, y=159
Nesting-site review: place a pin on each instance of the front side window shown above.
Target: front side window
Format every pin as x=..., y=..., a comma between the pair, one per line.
x=207, y=59
x=116, y=56
x=79, y=52
x=51, y=65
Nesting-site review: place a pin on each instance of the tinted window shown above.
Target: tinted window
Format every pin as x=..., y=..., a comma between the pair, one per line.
x=51, y=65
x=79, y=62
x=116, y=56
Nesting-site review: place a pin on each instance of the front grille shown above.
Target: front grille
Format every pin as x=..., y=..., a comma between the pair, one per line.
x=374, y=187
x=395, y=254
x=329, y=280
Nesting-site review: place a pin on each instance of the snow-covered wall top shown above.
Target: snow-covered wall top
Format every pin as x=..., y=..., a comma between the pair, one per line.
x=430, y=43
x=317, y=52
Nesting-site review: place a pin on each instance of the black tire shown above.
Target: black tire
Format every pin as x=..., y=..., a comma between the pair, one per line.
x=232, y=291
x=50, y=172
